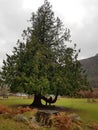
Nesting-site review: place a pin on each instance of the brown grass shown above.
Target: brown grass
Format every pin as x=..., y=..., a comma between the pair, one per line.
x=4, y=109
x=63, y=122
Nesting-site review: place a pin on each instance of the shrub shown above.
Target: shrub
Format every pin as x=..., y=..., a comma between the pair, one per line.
x=23, y=109
x=63, y=122
x=93, y=126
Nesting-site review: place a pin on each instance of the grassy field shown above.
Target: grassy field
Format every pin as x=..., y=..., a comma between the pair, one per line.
x=12, y=101
x=9, y=124
x=87, y=111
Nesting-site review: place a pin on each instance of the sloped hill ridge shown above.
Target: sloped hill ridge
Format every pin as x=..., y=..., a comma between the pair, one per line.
x=91, y=67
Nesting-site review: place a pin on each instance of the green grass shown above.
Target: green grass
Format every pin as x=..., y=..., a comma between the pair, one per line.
x=9, y=124
x=87, y=111
x=11, y=101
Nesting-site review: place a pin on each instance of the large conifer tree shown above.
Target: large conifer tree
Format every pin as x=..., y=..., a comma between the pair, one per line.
x=42, y=63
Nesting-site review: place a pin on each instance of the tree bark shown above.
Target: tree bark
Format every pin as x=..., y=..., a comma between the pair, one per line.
x=37, y=101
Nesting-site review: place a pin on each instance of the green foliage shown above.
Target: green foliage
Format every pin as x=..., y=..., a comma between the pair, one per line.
x=42, y=63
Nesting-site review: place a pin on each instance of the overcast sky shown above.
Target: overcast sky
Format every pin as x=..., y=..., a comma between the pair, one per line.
x=80, y=16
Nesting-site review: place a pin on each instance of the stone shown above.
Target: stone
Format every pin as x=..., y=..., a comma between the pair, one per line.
x=75, y=117
x=32, y=119
x=21, y=118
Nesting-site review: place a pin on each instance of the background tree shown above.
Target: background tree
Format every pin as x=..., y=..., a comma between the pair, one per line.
x=42, y=63
x=4, y=91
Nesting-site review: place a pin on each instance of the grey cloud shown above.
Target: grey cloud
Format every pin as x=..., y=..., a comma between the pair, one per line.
x=86, y=37
x=13, y=20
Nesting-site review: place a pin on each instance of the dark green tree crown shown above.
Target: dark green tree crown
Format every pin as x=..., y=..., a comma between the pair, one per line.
x=42, y=63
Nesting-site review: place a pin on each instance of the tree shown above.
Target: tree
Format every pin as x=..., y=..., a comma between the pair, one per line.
x=42, y=63
x=4, y=91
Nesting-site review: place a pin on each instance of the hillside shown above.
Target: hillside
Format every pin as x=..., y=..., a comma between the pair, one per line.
x=91, y=67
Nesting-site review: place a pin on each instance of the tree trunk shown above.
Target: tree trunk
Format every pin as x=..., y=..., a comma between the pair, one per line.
x=37, y=101
x=50, y=100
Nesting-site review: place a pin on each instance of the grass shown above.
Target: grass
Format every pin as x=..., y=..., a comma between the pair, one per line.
x=8, y=124
x=12, y=100
x=87, y=111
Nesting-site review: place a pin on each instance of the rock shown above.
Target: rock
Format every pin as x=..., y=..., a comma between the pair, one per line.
x=44, y=117
x=75, y=117
x=21, y=118
x=33, y=124
x=32, y=119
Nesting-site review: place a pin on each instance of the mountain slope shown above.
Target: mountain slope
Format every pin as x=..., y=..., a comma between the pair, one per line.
x=91, y=67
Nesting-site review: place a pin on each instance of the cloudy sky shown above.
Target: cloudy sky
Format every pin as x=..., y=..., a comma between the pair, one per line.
x=80, y=16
